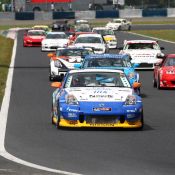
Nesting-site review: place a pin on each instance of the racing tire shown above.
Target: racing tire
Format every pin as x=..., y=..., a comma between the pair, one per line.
x=52, y=115
x=154, y=82
x=158, y=83
x=58, y=121
x=50, y=77
x=129, y=28
x=142, y=121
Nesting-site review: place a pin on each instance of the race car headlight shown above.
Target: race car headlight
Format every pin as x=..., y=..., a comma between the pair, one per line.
x=29, y=40
x=57, y=63
x=170, y=72
x=130, y=100
x=160, y=55
x=71, y=100
x=131, y=75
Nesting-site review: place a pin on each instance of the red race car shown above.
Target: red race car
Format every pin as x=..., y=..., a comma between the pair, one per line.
x=164, y=73
x=33, y=38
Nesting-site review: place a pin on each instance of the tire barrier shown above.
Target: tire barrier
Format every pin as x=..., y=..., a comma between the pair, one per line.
x=130, y=13
x=24, y=16
x=107, y=14
x=126, y=13
x=63, y=15
x=43, y=15
x=154, y=12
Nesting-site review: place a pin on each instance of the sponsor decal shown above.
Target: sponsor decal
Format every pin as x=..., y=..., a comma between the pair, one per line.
x=101, y=96
x=72, y=114
x=102, y=109
x=131, y=111
x=100, y=92
x=102, y=125
x=71, y=110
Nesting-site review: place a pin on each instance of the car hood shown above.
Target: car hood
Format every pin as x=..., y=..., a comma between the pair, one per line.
x=109, y=37
x=169, y=68
x=98, y=94
x=71, y=61
x=146, y=55
x=90, y=45
x=35, y=37
x=114, y=24
x=55, y=41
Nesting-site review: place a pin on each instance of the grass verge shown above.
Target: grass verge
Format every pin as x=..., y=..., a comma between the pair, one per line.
x=6, y=46
x=162, y=34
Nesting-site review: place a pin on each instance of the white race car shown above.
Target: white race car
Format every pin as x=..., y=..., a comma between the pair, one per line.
x=54, y=40
x=65, y=59
x=108, y=35
x=119, y=24
x=94, y=41
x=144, y=52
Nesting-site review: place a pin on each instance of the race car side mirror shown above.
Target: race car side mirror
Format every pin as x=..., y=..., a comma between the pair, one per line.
x=136, y=65
x=136, y=85
x=158, y=64
x=50, y=55
x=77, y=65
x=56, y=84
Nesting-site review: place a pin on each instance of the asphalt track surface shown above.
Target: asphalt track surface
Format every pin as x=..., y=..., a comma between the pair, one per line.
x=31, y=137
x=153, y=27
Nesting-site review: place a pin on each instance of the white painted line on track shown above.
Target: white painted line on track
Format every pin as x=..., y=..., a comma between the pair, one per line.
x=3, y=123
x=152, y=37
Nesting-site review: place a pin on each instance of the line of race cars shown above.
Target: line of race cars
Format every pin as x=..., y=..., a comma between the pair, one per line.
x=95, y=88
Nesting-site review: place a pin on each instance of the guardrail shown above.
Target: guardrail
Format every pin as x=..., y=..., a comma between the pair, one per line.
x=126, y=13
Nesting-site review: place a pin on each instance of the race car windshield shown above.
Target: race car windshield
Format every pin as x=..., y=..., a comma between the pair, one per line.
x=41, y=28
x=97, y=79
x=36, y=33
x=104, y=32
x=107, y=63
x=56, y=36
x=117, y=21
x=143, y=46
x=170, y=62
x=88, y=40
x=73, y=52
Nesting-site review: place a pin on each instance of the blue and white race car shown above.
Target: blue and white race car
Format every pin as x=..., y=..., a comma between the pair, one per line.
x=96, y=98
x=111, y=61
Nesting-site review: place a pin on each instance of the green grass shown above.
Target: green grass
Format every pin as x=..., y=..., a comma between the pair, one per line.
x=154, y=22
x=6, y=46
x=6, y=27
x=162, y=34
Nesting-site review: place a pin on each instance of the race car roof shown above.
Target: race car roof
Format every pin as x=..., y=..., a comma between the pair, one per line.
x=56, y=33
x=35, y=30
x=100, y=28
x=108, y=56
x=90, y=35
x=140, y=41
x=95, y=70
x=73, y=48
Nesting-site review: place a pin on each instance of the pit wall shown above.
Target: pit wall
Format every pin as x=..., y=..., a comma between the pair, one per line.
x=126, y=13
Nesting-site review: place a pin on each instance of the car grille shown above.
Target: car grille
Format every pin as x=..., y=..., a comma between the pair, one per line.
x=98, y=119
x=54, y=47
x=146, y=65
x=36, y=43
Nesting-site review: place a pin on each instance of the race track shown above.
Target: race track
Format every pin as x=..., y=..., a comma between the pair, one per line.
x=31, y=137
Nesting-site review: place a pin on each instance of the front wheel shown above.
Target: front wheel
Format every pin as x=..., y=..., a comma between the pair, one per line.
x=158, y=83
x=142, y=121
x=129, y=28
x=154, y=82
